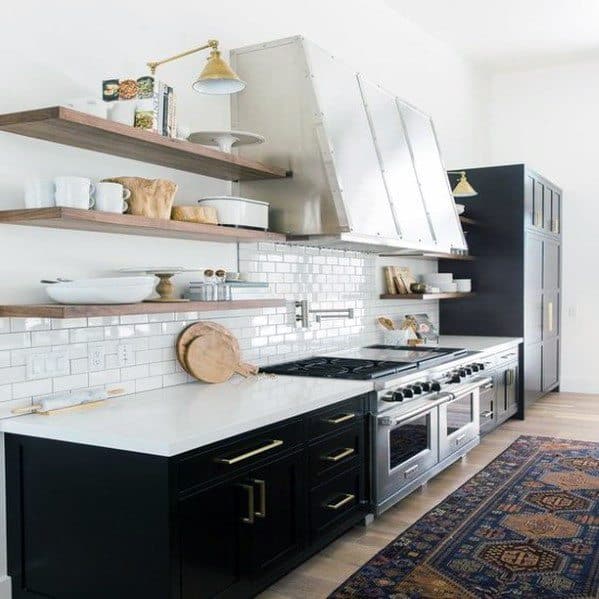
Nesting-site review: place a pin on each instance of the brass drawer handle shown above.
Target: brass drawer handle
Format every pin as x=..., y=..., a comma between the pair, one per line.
x=261, y=511
x=340, y=419
x=336, y=457
x=411, y=470
x=250, y=454
x=249, y=519
x=346, y=499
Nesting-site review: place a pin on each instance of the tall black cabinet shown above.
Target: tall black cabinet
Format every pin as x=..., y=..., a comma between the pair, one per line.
x=517, y=271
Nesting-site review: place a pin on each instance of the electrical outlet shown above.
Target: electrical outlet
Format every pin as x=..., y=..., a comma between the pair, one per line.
x=125, y=354
x=96, y=356
x=47, y=365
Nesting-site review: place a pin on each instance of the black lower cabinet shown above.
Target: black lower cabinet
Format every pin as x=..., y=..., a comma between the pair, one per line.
x=222, y=521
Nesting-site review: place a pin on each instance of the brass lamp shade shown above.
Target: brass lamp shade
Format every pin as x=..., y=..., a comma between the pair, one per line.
x=463, y=189
x=218, y=77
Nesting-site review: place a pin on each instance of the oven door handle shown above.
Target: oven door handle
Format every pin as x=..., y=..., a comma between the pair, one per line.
x=468, y=388
x=393, y=419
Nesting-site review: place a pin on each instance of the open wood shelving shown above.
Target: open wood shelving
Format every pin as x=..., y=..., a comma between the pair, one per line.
x=109, y=222
x=84, y=310
x=72, y=128
x=424, y=296
x=431, y=256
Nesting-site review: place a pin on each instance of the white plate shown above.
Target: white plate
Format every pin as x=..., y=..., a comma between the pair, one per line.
x=225, y=140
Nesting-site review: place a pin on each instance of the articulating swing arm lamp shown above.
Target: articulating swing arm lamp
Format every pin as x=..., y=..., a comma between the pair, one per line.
x=217, y=77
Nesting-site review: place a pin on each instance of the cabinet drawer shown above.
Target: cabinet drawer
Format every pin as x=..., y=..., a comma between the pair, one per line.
x=335, y=454
x=230, y=457
x=334, y=501
x=336, y=417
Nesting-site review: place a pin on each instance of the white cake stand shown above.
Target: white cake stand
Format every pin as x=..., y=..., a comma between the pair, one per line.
x=225, y=140
x=165, y=287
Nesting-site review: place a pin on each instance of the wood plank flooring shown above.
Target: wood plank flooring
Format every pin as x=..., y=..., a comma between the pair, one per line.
x=567, y=415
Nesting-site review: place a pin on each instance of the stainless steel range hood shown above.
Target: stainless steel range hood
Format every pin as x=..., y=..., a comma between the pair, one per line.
x=367, y=172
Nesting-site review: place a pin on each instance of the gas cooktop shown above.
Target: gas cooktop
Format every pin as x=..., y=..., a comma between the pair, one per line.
x=339, y=368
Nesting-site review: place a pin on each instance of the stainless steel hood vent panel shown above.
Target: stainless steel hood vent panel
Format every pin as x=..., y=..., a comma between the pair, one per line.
x=358, y=180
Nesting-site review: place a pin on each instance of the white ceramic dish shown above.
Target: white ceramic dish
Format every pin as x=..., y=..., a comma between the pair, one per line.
x=109, y=290
x=438, y=278
x=448, y=287
x=460, y=208
x=225, y=140
x=239, y=212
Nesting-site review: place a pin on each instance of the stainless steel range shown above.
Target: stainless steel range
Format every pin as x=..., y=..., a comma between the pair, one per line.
x=425, y=409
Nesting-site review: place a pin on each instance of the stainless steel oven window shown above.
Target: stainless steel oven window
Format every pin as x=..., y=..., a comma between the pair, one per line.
x=408, y=440
x=459, y=414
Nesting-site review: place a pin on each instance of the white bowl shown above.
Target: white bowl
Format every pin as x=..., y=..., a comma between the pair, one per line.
x=460, y=208
x=109, y=290
x=448, y=287
x=239, y=212
x=437, y=278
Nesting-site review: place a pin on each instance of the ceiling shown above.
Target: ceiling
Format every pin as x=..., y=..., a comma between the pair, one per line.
x=507, y=34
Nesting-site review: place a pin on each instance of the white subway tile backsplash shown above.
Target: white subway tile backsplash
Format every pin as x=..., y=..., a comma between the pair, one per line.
x=41, y=338
x=15, y=340
x=7, y=407
x=66, y=383
x=327, y=278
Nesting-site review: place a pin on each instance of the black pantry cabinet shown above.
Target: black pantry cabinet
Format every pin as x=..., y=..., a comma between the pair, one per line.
x=224, y=520
x=517, y=272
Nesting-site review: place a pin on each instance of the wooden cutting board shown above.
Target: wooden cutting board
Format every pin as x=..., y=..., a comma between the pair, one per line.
x=195, y=330
x=213, y=359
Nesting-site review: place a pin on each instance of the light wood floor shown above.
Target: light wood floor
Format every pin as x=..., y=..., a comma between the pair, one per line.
x=566, y=415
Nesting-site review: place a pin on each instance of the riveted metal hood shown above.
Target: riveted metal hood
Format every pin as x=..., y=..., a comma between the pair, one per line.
x=367, y=171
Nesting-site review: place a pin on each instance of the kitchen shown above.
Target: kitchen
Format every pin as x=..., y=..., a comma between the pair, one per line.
x=293, y=481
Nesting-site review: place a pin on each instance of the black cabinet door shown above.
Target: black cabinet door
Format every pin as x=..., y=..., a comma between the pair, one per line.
x=278, y=531
x=550, y=364
x=533, y=371
x=533, y=289
x=214, y=527
x=547, y=207
x=551, y=265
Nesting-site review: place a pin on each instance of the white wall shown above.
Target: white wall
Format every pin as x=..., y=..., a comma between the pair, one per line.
x=548, y=118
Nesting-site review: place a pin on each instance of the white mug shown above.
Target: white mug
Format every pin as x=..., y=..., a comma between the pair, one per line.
x=122, y=111
x=39, y=194
x=90, y=106
x=74, y=192
x=111, y=197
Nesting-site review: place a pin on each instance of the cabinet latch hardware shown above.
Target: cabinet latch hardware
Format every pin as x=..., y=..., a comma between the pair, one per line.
x=339, y=419
x=261, y=511
x=347, y=497
x=249, y=490
x=347, y=451
x=250, y=454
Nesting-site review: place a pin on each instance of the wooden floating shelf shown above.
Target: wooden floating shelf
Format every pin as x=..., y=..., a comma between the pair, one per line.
x=431, y=256
x=424, y=296
x=72, y=128
x=109, y=222
x=83, y=310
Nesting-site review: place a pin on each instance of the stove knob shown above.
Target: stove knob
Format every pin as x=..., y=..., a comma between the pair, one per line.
x=387, y=397
x=398, y=395
x=474, y=367
x=407, y=393
x=468, y=370
x=416, y=388
x=426, y=387
x=455, y=377
x=481, y=366
x=462, y=372
x=435, y=386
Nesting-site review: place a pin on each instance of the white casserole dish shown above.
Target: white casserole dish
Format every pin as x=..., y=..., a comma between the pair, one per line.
x=108, y=290
x=239, y=212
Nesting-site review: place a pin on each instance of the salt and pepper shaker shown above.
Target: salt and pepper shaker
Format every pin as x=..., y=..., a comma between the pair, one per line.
x=223, y=291
x=210, y=285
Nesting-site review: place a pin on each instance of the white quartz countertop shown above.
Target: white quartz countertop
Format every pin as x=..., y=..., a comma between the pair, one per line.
x=173, y=420
x=170, y=421
x=475, y=343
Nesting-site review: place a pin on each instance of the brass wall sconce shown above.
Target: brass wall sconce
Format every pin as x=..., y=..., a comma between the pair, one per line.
x=463, y=189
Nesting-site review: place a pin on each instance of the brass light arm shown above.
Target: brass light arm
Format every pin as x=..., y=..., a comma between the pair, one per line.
x=153, y=65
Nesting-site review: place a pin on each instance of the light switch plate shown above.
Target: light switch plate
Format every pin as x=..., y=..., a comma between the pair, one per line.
x=47, y=365
x=96, y=357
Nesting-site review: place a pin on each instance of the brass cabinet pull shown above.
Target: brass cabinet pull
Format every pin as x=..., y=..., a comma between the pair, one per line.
x=340, y=419
x=336, y=457
x=261, y=511
x=411, y=470
x=250, y=454
x=249, y=519
x=550, y=316
x=487, y=414
x=346, y=499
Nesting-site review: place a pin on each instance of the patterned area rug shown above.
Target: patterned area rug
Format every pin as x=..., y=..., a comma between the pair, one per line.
x=526, y=526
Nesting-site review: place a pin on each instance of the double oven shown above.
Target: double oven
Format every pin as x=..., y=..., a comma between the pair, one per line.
x=418, y=439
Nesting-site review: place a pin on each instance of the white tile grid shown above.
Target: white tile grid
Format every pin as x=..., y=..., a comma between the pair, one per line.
x=327, y=278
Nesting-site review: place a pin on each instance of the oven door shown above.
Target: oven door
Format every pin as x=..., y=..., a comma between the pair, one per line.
x=406, y=448
x=459, y=422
